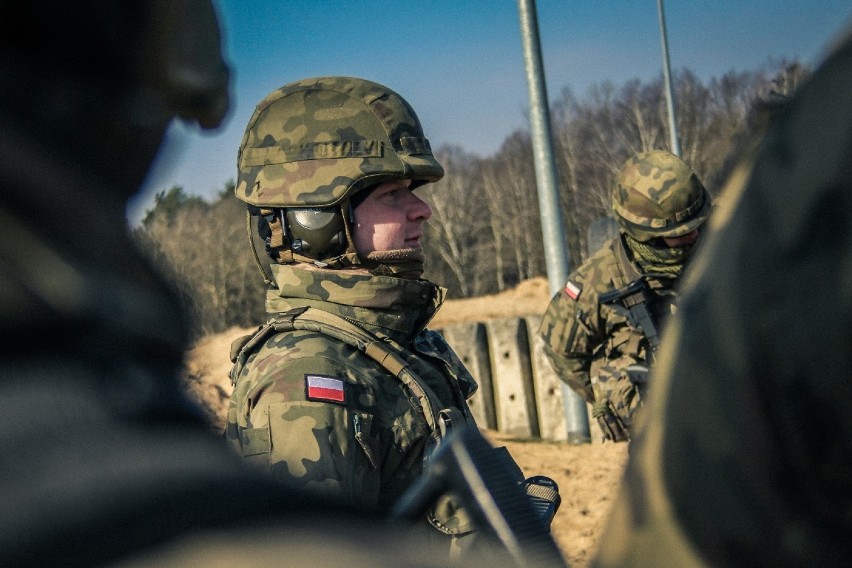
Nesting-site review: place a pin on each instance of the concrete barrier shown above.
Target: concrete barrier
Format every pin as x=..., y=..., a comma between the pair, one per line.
x=519, y=391
x=547, y=387
x=514, y=394
x=470, y=343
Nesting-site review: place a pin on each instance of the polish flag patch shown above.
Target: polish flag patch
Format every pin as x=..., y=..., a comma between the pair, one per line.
x=573, y=290
x=324, y=389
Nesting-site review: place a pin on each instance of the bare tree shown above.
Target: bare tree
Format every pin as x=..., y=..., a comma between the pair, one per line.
x=566, y=156
x=455, y=233
x=641, y=113
x=509, y=183
x=203, y=250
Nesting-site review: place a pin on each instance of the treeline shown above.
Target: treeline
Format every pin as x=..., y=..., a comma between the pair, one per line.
x=485, y=232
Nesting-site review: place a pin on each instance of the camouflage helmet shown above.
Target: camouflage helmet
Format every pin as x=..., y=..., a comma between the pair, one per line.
x=316, y=142
x=658, y=195
x=310, y=146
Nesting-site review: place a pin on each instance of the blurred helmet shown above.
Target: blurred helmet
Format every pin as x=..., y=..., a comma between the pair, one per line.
x=104, y=88
x=658, y=195
x=168, y=49
x=313, y=144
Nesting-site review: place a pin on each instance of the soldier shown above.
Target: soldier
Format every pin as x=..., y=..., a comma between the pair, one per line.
x=105, y=461
x=601, y=331
x=344, y=392
x=744, y=458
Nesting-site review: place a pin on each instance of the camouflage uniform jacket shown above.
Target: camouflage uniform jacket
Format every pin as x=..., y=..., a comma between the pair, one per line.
x=592, y=344
x=324, y=417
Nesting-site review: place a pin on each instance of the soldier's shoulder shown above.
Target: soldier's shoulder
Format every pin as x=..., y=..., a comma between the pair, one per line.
x=605, y=252
x=289, y=356
x=300, y=376
x=298, y=343
x=286, y=353
x=600, y=264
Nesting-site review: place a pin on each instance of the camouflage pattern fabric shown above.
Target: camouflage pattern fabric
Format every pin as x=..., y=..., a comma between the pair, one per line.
x=743, y=458
x=657, y=194
x=295, y=153
x=591, y=345
x=364, y=441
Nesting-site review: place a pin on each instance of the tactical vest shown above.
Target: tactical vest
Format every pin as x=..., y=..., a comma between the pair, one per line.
x=445, y=515
x=441, y=421
x=374, y=345
x=633, y=297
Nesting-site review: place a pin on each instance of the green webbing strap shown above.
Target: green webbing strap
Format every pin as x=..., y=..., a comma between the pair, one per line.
x=267, y=280
x=243, y=346
x=636, y=302
x=376, y=347
x=386, y=358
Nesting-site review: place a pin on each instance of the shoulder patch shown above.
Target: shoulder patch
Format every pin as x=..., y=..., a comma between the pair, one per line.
x=325, y=389
x=573, y=290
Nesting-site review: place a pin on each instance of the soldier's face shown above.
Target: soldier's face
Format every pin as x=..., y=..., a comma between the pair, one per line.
x=390, y=218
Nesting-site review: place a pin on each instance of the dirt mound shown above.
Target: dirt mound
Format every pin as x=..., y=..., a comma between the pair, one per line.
x=527, y=298
x=587, y=474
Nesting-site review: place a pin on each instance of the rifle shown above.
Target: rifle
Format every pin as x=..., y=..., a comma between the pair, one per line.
x=488, y=482
x=634, y=297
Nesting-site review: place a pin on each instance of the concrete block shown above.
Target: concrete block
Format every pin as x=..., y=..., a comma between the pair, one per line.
x=514, y=396
x=470, y=343
x=547, y=386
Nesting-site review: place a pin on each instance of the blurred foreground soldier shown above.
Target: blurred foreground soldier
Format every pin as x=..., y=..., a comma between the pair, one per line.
x=601, y=330
x=744, y=456
x=103, y=460
x=344, y=392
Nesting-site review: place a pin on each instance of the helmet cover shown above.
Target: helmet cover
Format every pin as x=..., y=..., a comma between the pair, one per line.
x=658, y=195
x=315, y=142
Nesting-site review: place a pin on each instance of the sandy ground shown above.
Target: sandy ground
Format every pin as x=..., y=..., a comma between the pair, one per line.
x=587, y=474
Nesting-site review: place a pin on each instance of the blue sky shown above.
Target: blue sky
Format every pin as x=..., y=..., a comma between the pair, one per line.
x=460, y=62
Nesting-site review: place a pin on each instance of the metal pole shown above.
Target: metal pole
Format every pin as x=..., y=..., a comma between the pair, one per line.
x=555, y=255
x=670, y=103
